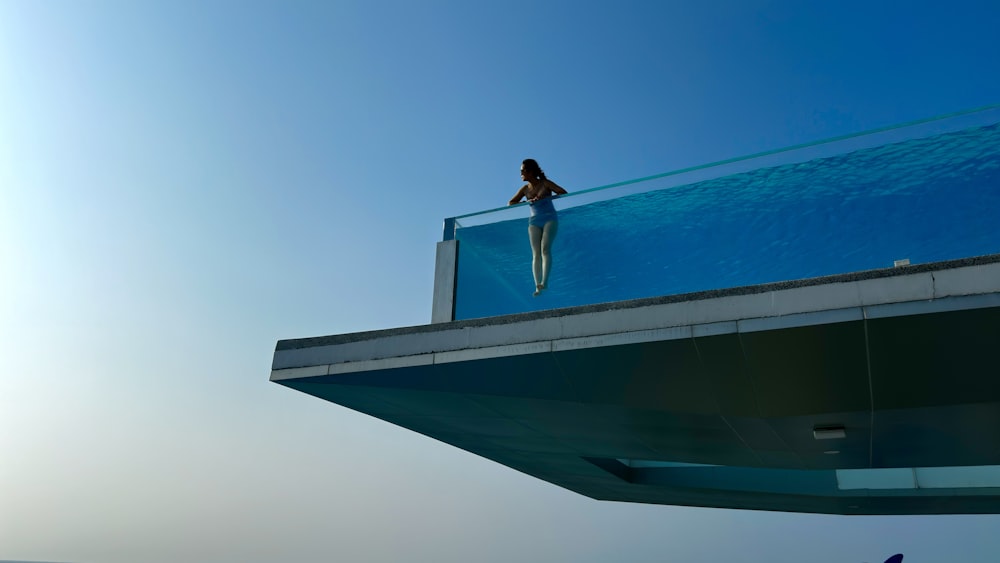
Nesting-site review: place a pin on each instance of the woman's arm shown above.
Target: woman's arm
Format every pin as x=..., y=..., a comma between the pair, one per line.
x=556, y=188
x=517, y=197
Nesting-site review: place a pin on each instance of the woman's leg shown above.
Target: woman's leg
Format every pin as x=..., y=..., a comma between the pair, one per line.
x=548, y=236
x=535, y=236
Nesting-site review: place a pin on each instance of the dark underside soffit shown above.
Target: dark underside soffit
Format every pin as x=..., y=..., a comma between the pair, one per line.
x=912, y=391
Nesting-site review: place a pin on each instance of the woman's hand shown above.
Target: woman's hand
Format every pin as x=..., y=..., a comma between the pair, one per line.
x=517, y=197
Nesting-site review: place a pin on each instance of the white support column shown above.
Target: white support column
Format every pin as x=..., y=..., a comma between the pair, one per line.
x=445, y=280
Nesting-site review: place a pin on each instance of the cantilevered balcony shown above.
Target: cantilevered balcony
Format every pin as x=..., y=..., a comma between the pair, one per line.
x=806, y=330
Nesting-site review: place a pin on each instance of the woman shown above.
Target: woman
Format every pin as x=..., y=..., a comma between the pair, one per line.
x=543, y=222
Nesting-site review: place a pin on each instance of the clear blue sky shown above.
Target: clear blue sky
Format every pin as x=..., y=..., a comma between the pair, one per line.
x=183, y=183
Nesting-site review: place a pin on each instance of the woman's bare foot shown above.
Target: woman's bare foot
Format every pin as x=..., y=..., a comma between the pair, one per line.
x=538, y=290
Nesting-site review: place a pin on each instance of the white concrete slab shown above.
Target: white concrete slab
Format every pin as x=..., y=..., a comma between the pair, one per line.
x=902, y=291
x=966, y=281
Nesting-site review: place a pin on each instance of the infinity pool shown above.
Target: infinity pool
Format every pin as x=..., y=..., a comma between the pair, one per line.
x=924, y=199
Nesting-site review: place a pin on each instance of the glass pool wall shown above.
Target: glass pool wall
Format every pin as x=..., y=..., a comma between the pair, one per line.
x=925, y=191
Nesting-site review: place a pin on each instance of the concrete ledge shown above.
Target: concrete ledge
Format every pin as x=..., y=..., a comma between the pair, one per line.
x=926, y=288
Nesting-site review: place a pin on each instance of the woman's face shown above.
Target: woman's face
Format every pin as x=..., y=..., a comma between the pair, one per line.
x=525, y=174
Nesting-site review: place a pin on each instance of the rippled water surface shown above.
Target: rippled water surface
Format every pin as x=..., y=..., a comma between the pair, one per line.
x=928, y=199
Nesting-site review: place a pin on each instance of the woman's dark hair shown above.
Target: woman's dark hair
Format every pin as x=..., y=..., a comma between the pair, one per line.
x=532, y=167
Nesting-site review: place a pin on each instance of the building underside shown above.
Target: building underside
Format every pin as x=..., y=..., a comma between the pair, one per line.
x=875, y=392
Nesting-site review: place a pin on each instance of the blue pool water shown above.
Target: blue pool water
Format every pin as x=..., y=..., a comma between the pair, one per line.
x=926, y=199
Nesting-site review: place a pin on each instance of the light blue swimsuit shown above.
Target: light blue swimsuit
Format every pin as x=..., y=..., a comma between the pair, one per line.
x=542, y=211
